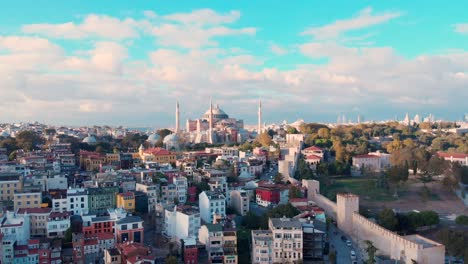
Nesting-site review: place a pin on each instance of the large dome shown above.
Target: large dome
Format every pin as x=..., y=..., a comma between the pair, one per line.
x=90, y=140
x=153, y=138
x=218, y=113
x=170, y=139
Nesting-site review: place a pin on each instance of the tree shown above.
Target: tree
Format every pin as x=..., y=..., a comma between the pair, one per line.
x=29, y=140
x=264, y=139
x=251, y=220
x=324, y=132
x=171, y=260
x=388, y=219
x=332, y=257
x=68, y=235
x=292, y=130
x=278, y=178
x=462, y=220
x=294, y=192
x=371, y=250
x=50, y=131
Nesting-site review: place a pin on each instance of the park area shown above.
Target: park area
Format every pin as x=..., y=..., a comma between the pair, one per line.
x=412, y=196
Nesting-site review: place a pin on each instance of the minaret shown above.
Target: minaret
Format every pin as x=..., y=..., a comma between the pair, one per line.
x=210, y=135
x=259, y=128
x=177, y=118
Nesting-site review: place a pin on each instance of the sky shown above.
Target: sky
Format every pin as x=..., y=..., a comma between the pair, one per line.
x=129, y=62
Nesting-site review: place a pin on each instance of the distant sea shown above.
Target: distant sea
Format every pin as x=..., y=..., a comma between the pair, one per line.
x=142, y=129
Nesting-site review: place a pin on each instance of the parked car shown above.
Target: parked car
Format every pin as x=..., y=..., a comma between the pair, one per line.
x=348, y=243
x=353, y=254
x=343, y=238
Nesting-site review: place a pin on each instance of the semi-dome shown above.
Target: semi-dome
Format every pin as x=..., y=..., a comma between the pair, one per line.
x=90, y=140
x=153, y=138
x=218, y=113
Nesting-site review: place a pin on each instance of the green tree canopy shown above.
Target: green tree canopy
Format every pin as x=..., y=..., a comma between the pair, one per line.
x=388, y=219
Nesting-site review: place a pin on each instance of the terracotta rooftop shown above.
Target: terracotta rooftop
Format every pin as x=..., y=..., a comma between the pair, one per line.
x=452, y=155
x=313, y=148
x=157, y=151
x=313, y=157
x=366, y=156
x=34, y=210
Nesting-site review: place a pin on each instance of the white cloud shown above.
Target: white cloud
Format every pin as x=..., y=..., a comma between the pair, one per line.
x=150, y=14
x=278, y=50
x=204, y=16
x=461, y=28
x=194, y=36
x=364, y=19
x=93, y=25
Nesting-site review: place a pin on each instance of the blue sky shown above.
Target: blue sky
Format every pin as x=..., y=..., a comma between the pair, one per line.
x=116, y=62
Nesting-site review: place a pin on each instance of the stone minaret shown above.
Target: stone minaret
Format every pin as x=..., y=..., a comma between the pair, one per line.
x=177, y=119
x=259, y=128
x=210, y=134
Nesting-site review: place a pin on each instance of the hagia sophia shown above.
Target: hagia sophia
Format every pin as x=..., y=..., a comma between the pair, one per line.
x=215, y=126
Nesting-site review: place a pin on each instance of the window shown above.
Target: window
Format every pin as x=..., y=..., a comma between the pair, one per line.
x=124, y=227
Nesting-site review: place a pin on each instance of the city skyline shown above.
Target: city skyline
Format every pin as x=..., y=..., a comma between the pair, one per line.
x=120, y=64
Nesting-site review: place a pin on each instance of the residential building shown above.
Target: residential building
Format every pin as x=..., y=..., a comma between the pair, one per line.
x=56, y=182
x=152, y=192
x=220, y=241
x=59, y=200
x=57, y=224
x=262, y=247
x=10, y=183
x=240, y=202
x=313, y=240
x=269, y=194
x=126, y=201
x=27, y=199
x=287, y=239
x=282, y=243
x=129, y=228
x=212, y=206
x=135, y=253
x=158, y=155
x=190, y=251
x=181, y=186
x=100, y=199
x=112, y=256
x=38, y=220
x=182, y=222
x=77, y=201
x=168, y=193
x=15, y=228
x=313, y=150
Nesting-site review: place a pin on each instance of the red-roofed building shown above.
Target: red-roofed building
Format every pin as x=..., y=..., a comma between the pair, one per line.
x=313, y=150
x=158, y=155
x=313, y=159
x=374, y=161
x=460, y=158
x=135, y=253
x=268, y=193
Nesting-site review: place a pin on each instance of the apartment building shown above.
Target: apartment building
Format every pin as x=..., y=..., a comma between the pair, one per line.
x=77, y=201
x=220, y=241
x=126, y=201
x=27, y=199
x=38, y=220
x=212, y=206
x=182, y=222
x=152, y=191
x=240, y=202
x=282, y=243
x=10, y=183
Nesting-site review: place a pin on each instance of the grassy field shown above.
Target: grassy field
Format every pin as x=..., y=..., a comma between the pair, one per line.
x=365, y=188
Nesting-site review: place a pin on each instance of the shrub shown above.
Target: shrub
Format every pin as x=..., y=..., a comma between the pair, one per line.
x=462, y=220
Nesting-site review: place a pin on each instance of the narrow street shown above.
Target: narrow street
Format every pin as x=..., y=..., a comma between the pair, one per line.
x=339, y=245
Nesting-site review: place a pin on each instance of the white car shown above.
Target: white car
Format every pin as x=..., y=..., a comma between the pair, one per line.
x=353, y=254
x=348, y=243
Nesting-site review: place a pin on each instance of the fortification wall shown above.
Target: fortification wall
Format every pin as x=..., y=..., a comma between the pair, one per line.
x=361, y=229
x=327, y=205
x=385, y=240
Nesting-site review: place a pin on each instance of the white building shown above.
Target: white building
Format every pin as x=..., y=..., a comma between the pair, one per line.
x=373, y=161
x=57, y=182
x=282, y=243
x=211, y=204
x=182, y=222
x=59, y=203
x=57, y=224
x=16, y=227
x=77, y=201
x=460, y=158
x=240, y=202
x=152, y=193
x=181, y=186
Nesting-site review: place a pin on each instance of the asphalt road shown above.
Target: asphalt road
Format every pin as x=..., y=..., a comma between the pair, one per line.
x=340, y=247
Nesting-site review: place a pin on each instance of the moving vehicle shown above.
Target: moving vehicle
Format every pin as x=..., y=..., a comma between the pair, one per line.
x=348, y=243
